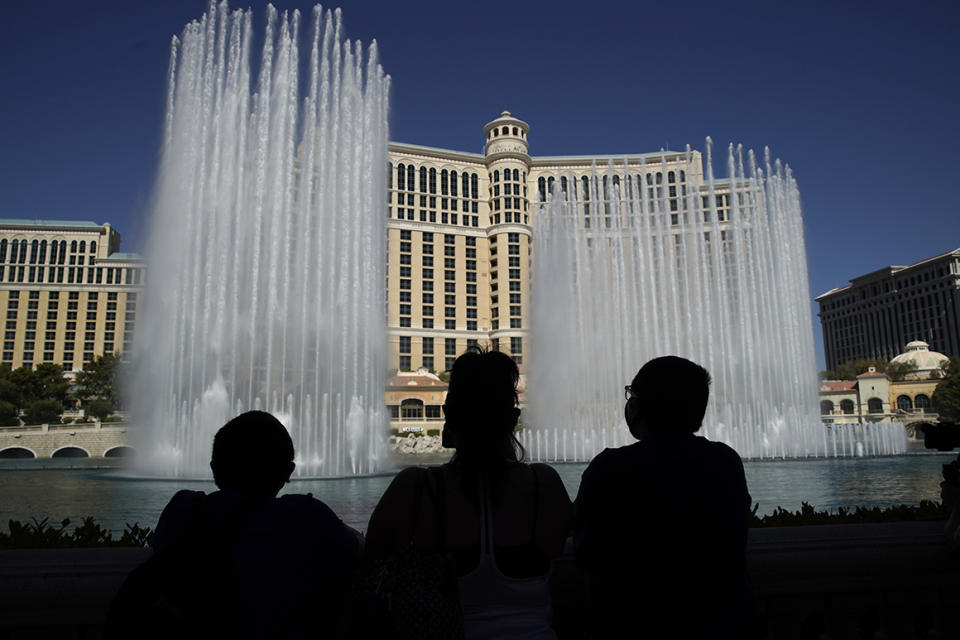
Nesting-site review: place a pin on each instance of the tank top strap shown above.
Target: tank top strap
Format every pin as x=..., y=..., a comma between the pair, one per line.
x=486, y=517
x=536, y=505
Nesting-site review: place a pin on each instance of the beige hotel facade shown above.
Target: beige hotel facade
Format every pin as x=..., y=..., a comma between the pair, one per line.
x=461, y=229
x=68, y=294
x=460, y=236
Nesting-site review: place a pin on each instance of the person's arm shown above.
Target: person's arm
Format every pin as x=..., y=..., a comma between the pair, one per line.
x=585, y=514
x=390, y=523
x=555, y=512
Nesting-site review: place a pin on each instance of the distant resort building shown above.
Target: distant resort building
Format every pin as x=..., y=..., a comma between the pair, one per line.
x=415, y=402
x=874, y=397
x=877, y=313
x=69, y=295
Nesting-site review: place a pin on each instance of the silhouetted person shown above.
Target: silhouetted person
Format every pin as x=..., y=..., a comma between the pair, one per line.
x=241, y=562
x=661, y=524
x=502, y=520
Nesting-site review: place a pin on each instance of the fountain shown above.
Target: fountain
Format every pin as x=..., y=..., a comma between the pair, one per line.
x=662, y=271
x=268, y=231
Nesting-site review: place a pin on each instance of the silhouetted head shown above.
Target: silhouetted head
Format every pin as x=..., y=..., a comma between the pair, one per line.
x=668, y=395
x=254, y=453
x=481, y=408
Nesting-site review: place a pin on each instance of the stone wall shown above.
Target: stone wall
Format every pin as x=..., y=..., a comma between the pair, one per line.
x=895, y=580
x=43, y=441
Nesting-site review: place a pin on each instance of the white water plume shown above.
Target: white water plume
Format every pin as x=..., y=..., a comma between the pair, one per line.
x=266, y=248
x=668, y=271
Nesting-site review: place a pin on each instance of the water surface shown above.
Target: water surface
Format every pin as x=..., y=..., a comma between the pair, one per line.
x=57, y=489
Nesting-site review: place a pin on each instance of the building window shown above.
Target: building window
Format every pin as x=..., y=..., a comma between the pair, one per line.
x=405, y=363
x=428, y=346
x=875, y=405
x=412, y=409
x=450, y=346
x=921, y=401
x=404, y=344
x=826, y=407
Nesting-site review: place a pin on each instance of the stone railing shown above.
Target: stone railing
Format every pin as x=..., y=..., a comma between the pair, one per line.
x=821, y=582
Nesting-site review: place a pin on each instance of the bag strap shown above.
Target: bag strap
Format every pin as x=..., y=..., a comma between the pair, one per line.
x=536, y=504
x=417, y=500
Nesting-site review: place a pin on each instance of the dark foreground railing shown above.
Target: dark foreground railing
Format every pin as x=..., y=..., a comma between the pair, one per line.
x=895, y=580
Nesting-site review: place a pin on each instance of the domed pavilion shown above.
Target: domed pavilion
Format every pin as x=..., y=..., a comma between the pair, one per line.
x=928, y=363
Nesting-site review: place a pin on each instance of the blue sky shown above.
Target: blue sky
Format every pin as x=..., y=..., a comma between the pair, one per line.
x=861, y=99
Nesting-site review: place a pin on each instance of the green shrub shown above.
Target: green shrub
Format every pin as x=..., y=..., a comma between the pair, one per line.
x=43, y=411
x=807, y=515
x=8, y=414
x=100, y=408
x=42, y=535
x=433, y=432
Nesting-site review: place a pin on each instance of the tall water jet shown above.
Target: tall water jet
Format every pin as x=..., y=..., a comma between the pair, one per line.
x=267, y=247
x=636, y=262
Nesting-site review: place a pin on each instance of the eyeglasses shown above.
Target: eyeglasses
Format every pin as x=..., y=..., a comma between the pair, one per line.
x=628, y=393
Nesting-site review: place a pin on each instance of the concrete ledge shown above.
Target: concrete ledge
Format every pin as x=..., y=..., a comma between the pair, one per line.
x=894, y=580
x=69, y=589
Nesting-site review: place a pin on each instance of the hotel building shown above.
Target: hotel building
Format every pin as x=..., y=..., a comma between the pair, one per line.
x=878, y=313
x=460, y=235
x=459, y=258
x=69, y=296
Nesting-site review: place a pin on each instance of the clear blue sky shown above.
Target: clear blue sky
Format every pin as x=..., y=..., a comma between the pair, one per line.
x=861, y=99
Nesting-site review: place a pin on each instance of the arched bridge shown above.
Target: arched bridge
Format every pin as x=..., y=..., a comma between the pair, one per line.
x=64, y=441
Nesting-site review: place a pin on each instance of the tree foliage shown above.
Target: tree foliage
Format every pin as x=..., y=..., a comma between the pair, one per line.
x=850, y=370
x=100, y=408
x=27, y=385
x=9, y=416
x=946, y=397
x=99, y=380
x=43, y=412
x=50, y=382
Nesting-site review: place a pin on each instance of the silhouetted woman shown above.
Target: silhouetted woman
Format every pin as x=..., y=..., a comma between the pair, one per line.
x=502, y=520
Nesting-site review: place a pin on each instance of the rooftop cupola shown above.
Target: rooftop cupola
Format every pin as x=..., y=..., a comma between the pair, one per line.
x=506, y=137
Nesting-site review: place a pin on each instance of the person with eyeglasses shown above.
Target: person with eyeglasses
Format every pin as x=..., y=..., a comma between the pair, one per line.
x=660, y=527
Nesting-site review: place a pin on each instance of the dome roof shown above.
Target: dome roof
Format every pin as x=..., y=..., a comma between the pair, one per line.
x=919, y=352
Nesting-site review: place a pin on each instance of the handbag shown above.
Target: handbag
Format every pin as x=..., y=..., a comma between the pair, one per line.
x=419, y=588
